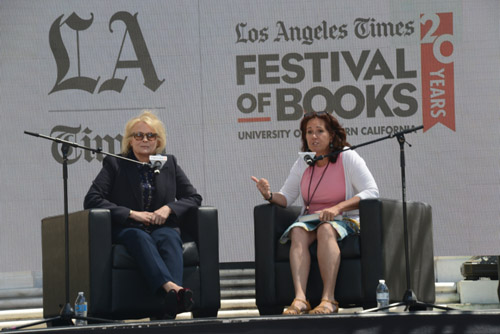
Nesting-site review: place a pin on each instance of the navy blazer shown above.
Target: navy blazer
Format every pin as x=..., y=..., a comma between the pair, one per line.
x=117, y=188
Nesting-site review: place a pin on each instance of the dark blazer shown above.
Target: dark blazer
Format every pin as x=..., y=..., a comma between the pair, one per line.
x=117, y=188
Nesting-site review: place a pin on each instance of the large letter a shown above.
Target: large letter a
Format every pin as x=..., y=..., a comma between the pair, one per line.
x=141, y=51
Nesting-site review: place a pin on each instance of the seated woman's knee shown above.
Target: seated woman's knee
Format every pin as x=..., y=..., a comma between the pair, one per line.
x=299, y=235
x=327, y=231
x=136, y=234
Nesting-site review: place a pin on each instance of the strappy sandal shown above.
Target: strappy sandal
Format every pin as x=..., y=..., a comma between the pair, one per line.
x=322, y=309
x=294, y=310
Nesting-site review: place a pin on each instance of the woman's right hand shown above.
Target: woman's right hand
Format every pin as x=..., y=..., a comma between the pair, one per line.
x=141, y=216
x=263, y=186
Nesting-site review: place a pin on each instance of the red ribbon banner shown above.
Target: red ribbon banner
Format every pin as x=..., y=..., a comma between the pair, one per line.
x=437, y=64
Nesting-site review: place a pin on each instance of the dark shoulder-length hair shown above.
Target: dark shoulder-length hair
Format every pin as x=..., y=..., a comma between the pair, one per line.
x=332, y=125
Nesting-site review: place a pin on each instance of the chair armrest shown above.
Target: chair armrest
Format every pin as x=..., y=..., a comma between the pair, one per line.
x=202, y=224
x=270, y=221
x=89, y=260
x=382, y=228
x=371, y=236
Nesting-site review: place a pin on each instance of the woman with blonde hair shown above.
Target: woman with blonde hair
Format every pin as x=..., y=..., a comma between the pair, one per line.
x=146, y=207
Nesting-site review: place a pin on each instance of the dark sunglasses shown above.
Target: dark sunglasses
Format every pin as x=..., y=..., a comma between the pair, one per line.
x=140, y=135
x=312, y=113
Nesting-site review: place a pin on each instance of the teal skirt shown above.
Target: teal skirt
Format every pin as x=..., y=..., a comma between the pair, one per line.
x=344, y=227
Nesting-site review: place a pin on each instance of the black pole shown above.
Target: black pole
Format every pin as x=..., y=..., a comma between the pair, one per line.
x=409, y=297
x=401, y=140
x=67, y=312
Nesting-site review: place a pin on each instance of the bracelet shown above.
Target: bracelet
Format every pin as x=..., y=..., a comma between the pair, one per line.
x=270, y=197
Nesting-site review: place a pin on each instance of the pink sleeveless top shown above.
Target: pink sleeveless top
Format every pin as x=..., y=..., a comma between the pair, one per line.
x=331, y=189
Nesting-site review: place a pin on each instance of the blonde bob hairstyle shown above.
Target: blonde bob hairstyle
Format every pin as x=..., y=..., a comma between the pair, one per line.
x=150, y=119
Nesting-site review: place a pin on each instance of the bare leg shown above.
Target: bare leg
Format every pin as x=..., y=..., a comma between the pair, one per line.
x=328, y=261
x=300, y=261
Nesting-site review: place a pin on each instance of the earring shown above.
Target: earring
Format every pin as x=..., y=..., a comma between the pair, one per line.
x=331, y=146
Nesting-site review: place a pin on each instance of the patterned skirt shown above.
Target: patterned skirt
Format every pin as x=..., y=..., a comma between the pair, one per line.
x=344, y=227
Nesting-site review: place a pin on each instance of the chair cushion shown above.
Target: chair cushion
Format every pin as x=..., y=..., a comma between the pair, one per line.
x=123, y=260
x=349, y=249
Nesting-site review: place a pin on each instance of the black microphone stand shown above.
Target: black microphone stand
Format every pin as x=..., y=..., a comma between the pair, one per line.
x=409, y=298
x=331, y=154
x=67, y=313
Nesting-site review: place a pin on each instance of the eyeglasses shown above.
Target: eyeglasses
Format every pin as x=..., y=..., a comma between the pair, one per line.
x=312, y=113
x=140, y=135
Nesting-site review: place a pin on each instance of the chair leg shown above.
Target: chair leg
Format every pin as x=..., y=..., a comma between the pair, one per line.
x=205, y=313
x=270, y=310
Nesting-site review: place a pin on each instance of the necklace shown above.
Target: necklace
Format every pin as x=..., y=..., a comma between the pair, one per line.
x=309, y=196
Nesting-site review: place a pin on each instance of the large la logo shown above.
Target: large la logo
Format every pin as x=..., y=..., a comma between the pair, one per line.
x=81, y=82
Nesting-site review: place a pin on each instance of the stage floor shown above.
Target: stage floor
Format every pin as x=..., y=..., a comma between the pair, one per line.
x=470, y=322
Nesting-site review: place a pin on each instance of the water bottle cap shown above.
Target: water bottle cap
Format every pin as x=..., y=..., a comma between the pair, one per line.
x=80, y=293
x=381, y=280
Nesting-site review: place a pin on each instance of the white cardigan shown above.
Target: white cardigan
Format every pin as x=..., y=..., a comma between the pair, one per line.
x=358, y=181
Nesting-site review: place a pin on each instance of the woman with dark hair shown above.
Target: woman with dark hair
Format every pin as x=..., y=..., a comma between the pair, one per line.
x=146, y=208
x=330, y=191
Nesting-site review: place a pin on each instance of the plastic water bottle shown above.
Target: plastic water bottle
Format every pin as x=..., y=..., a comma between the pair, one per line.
x=382, y=294
x=80, y=309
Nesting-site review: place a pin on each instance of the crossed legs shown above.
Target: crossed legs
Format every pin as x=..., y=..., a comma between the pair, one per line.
x=159, y=257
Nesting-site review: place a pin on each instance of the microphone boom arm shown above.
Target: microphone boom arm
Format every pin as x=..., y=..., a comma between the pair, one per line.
x=93, y=150
x=393, y=135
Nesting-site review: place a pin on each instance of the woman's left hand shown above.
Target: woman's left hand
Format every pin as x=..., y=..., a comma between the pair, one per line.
x=329, y=214
x=160, y=216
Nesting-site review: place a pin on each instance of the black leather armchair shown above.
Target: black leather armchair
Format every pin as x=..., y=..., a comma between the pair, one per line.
x=108, y=276
x=376, y=253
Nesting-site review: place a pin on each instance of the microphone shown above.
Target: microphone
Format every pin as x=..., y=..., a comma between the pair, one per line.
x=157, y=162
x=309, y=160
x=309, y=157
x=156, y=166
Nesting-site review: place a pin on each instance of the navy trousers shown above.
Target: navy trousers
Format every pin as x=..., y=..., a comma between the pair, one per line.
x=158, y=254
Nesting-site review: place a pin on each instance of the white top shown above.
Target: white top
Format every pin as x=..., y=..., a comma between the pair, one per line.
x=359, y=181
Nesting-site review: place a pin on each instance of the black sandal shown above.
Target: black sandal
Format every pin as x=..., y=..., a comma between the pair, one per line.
x=170, y=305
x=185, y=300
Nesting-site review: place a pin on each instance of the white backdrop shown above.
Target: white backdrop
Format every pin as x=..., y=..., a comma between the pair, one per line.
x=229, y=79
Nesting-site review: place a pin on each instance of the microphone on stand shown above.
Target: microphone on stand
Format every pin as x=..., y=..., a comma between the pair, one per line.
x=157, y=162
x=309, y=157
x=309, y=160
x=156, y=166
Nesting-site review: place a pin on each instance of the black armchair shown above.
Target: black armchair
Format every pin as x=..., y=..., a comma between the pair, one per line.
x=108, y=275
x=376, y=253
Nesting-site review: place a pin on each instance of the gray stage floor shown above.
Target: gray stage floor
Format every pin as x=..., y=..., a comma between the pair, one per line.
x=347, y=321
